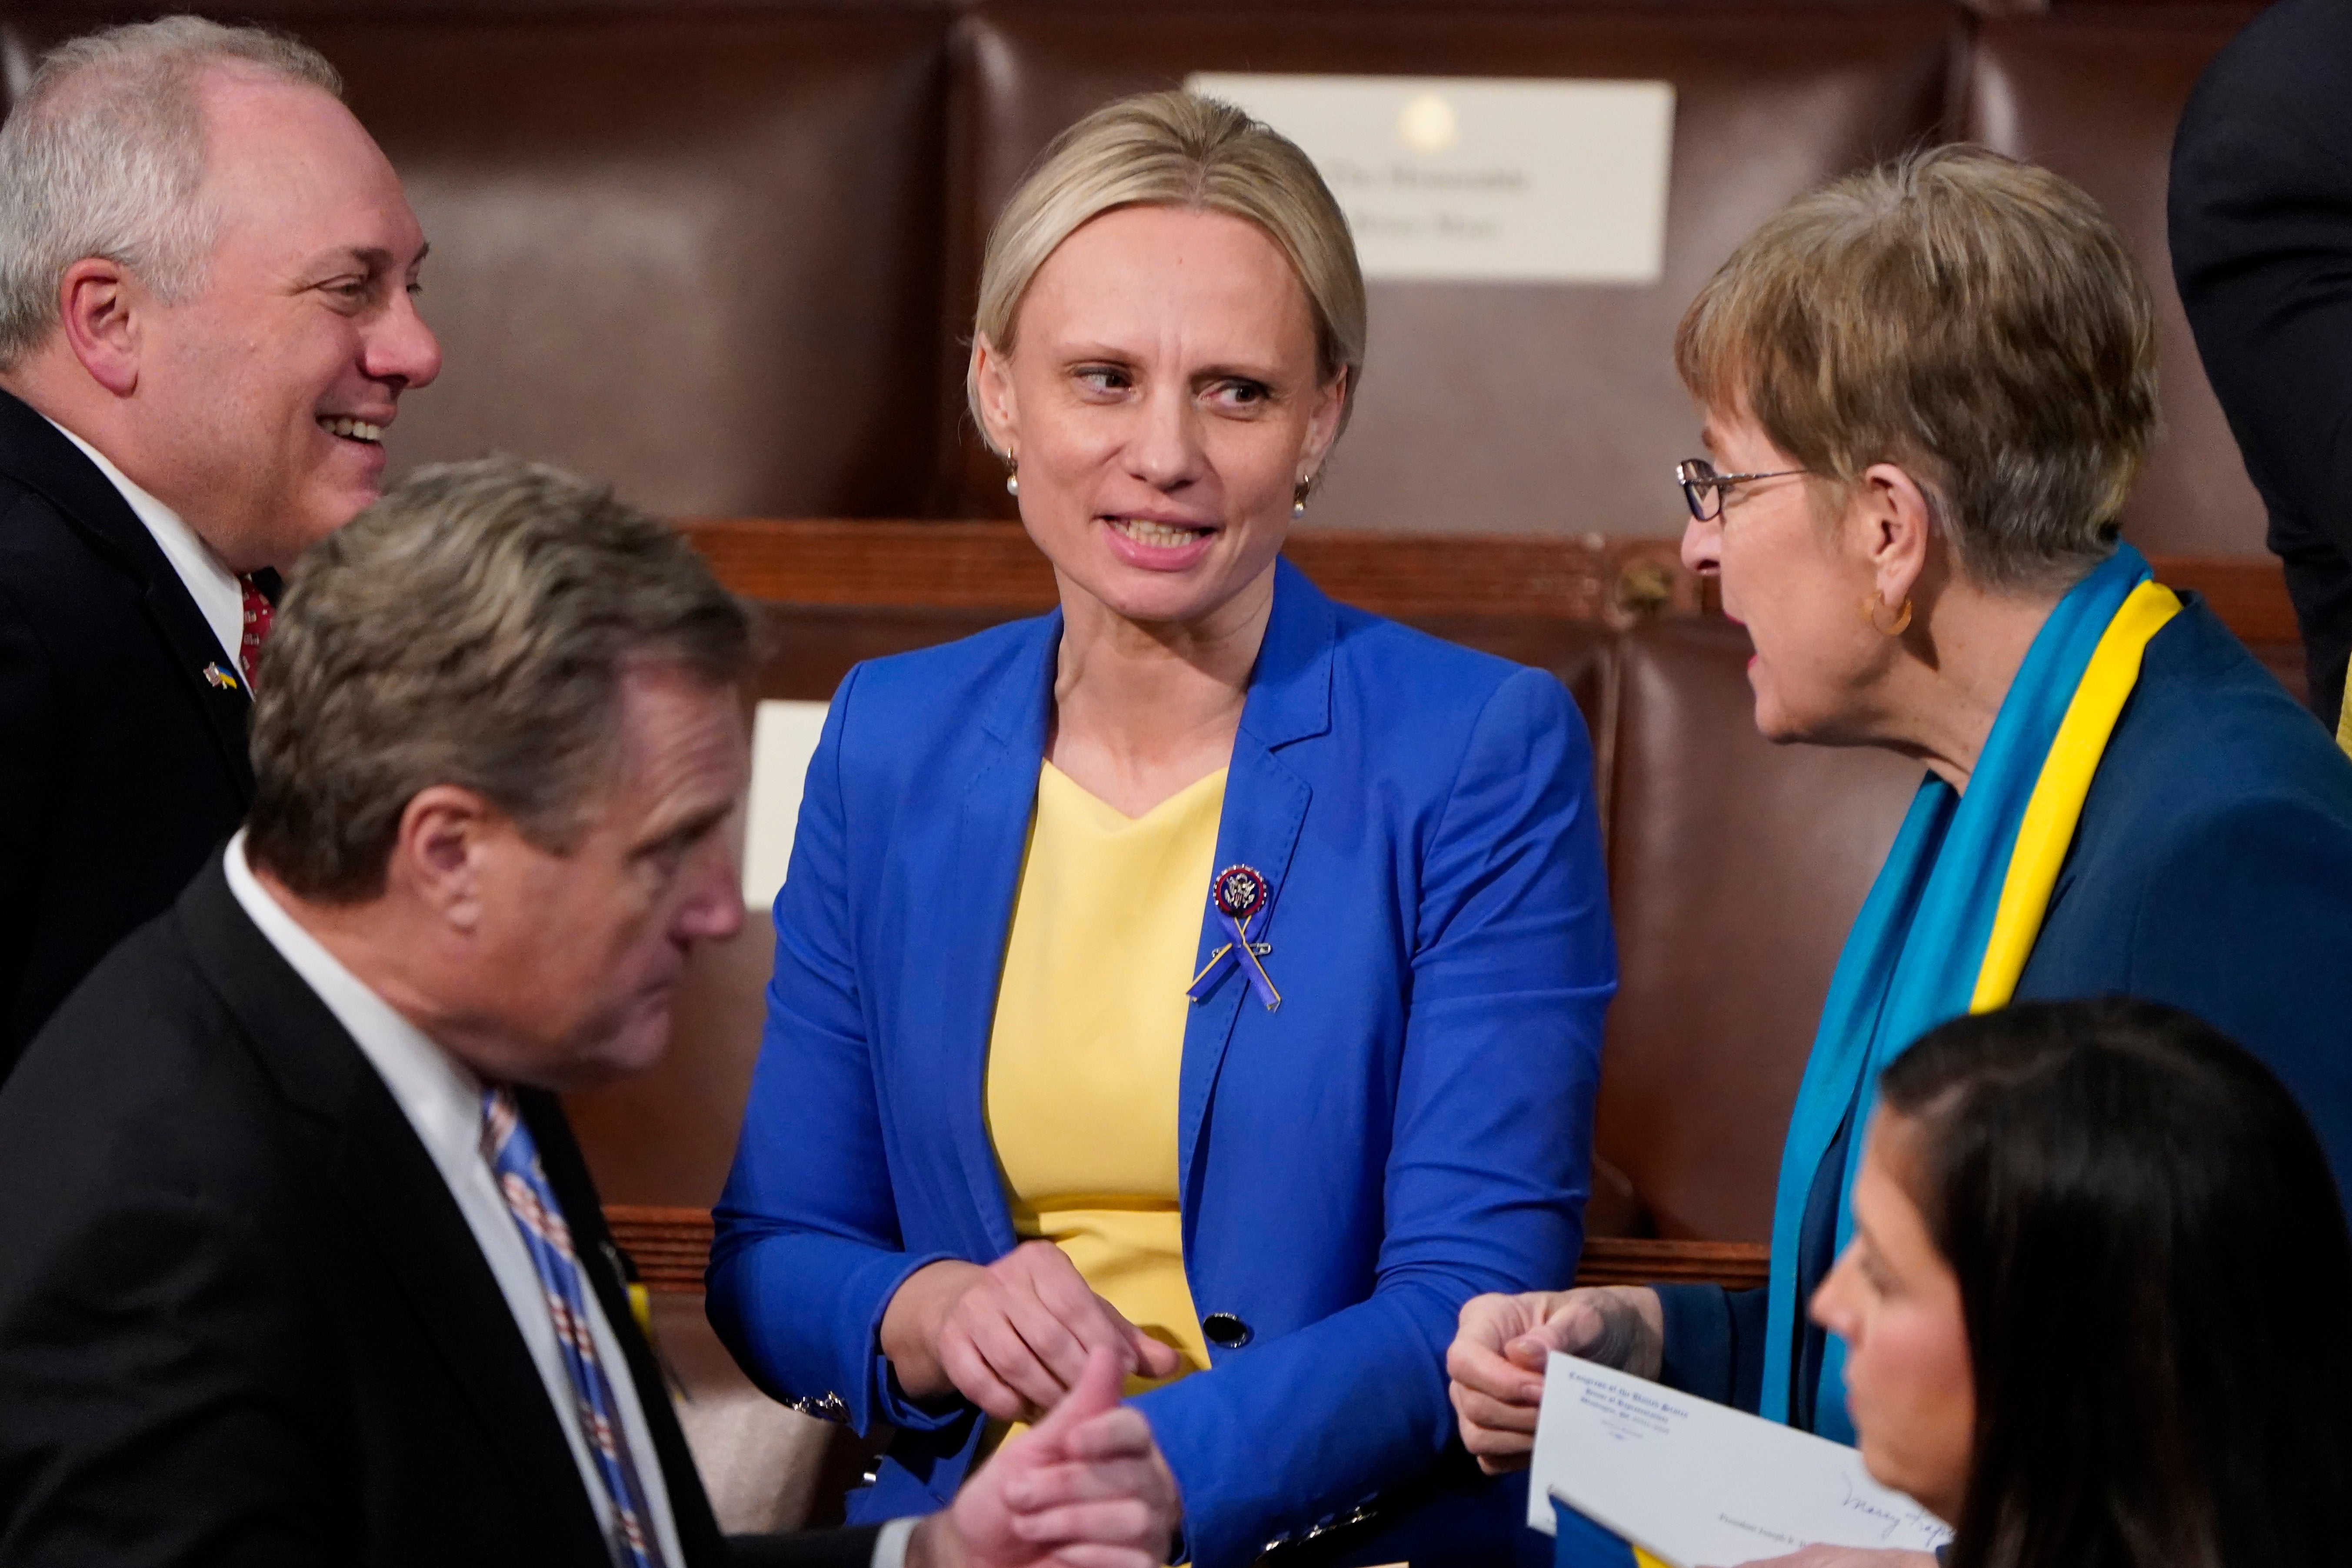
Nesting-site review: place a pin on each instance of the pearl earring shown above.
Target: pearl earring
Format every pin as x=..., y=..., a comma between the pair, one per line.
x=1298, y=498
x=1013, y=479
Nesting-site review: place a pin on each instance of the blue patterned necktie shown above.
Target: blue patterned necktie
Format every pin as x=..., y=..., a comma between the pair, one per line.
x=514, y=1160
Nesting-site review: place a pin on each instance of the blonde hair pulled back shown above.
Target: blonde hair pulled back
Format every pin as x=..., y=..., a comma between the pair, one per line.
x=1177, y=149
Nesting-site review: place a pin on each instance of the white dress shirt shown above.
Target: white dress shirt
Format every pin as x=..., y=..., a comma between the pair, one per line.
x=215, y=588
x=443, y=1101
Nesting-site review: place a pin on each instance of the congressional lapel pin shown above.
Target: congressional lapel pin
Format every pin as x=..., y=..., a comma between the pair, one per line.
x=1238, y=894
x=222, y=679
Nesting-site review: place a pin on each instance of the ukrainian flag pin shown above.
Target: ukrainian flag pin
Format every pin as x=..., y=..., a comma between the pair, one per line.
x=222, y=679
x=1238, y=894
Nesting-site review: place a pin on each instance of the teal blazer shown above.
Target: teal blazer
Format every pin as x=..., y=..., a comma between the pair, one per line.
x=1410, y=1128
x=2211, y=869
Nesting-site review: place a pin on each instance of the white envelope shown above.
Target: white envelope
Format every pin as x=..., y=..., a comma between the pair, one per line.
x=1700, y=1484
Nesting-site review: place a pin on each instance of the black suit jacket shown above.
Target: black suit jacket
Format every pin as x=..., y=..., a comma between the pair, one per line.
x=122, y=765
x=2261, y=248
x=242, y=1320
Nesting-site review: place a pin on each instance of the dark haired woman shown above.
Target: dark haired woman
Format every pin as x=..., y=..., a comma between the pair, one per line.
x=2094, y=1304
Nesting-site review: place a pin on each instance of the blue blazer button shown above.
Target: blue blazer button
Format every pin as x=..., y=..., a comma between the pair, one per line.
x=1224, y=1330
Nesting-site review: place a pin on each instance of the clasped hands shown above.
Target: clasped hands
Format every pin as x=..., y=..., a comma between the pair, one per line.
x=1497, y=1365
x=1026, y=1339
x=1012, y=1336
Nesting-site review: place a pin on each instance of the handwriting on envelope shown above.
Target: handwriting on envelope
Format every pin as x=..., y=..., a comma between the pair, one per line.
x=1695, y=1483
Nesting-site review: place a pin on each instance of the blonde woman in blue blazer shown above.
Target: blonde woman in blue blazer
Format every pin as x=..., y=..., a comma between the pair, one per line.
x=1204, y=970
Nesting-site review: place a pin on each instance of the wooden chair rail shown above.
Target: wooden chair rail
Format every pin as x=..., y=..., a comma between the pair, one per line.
x=1615, y=579
x=992, y=566
x=671, y=1247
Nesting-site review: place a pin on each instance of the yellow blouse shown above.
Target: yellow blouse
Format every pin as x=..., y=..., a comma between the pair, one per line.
x=1088, y=1040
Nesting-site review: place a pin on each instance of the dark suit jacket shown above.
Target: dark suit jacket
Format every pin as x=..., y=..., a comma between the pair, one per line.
x=120, y=765
x=2261, y=248
x=2211, y=869
x=242, y=1321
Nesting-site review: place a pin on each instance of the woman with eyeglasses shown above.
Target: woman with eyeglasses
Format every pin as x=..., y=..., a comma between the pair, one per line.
x=1927, y=388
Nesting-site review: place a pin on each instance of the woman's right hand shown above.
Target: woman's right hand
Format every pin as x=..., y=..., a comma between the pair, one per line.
x=1012, y=1336
x=1501, y=1350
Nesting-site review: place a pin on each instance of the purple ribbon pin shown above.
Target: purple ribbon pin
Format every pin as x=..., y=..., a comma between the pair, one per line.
x=1238, y=894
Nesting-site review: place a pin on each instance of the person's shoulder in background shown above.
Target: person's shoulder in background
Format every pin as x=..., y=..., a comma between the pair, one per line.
x=2291, y=63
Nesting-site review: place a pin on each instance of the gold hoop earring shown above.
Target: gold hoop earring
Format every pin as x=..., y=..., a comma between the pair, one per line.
x=1298, y=499
x=1872, y=604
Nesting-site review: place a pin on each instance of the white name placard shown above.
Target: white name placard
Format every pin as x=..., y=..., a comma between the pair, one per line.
x=1479, y=179
x=784, y=738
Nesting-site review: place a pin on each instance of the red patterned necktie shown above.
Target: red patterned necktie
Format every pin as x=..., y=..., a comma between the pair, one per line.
x=256, y=627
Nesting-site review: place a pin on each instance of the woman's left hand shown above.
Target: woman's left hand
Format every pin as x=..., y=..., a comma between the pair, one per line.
x=1012, y=1336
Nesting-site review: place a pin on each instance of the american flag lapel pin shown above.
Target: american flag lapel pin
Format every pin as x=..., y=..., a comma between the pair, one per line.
x=222, y=680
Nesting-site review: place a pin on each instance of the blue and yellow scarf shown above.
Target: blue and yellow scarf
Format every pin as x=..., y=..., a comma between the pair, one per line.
x=1953, y=916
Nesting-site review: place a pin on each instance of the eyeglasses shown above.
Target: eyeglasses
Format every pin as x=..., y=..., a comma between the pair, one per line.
x=1704, y=491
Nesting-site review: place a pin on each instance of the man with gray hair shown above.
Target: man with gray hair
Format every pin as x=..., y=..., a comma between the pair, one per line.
x=302, y=1263
x=205, y=323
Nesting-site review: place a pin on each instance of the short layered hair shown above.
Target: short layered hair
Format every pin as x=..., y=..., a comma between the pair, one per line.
x=471, y=628
x=1976, y=321
x=104, y=155
x=1180, y=149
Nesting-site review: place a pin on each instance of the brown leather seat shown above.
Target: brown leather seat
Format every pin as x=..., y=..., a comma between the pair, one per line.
x=1496, y=407
x=693, y=251
x=1735, y=868
x=724, y=256
x=2093, y=93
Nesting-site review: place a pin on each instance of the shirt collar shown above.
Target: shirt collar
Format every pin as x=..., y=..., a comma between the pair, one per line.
x=219, y=596
x=441, y=1097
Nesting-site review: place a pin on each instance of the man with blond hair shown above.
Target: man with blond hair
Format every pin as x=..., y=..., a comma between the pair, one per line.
x=205, y=324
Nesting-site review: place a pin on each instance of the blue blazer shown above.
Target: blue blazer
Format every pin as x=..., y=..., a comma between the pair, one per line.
x=2211, y=869
x=1411, y=1128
